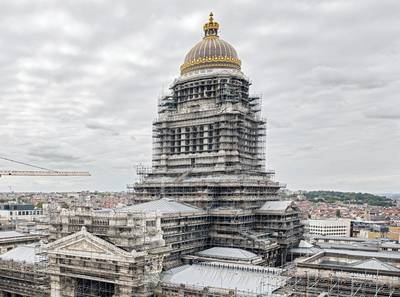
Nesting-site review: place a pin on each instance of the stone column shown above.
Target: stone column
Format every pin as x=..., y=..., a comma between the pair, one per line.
x=68, y=289
x=55, y=286
x=124, y=291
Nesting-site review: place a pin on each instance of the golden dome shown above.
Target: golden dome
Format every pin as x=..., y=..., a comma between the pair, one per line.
x=211, y=52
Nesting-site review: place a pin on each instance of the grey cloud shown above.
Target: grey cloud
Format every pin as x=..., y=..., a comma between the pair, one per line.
x=58, y=154
x=101, y=126
x=331, y=77
x=80, y=80
x=385, y=116
x=279, y=124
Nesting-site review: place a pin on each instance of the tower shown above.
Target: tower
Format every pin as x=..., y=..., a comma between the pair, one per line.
x=208, y=139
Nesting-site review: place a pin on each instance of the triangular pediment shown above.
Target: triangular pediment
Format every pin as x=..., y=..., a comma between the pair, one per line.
x=85, y=244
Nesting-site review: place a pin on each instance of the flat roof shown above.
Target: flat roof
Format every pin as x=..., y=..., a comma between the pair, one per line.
x=387, y=255
x=9, y=234
x=245, y=278
x=23, y=253
x=339, y=238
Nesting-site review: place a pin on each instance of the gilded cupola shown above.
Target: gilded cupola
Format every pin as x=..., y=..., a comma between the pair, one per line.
x=211, y=51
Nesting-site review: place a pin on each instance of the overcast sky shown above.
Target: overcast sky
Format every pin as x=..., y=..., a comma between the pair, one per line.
x=80, y=80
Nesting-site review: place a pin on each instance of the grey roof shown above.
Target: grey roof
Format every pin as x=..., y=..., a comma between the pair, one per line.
x=338, y=238
x=391, y=245
x=375, y=264
x=305, y=251
x=22, y=253
x=8, y=234
x=349, y=246
x=387, y=255
x=243, y=278
x=305, y=244
x=279, y=206
x=163, y=205
x=225, y=252
x=356, y=242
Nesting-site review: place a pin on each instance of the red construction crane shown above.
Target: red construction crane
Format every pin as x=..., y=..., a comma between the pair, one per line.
x=42, y=172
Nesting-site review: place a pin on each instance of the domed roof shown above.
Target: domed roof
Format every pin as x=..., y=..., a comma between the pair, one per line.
x=211, y=52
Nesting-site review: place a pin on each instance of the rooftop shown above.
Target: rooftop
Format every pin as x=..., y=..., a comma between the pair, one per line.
x=305, y=244
x=305, y=251
x=164, y=205
x=276, y=206
x=375, y=264
x=224, y=252
x=22, y=253
x=9, y=234
x=338, y=238
x=248, y=279
x=393, y=256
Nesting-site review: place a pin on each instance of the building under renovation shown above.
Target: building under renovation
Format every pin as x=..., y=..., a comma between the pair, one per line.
x=209, y=152
x=206, y=220
x=208, y=188
x=343, y=272
x=209, y=138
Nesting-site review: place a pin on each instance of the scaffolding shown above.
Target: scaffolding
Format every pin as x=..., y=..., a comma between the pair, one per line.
x=341, y=285
x=92, y=288
x=312, y=278
x=187, y=135
x=24, y=279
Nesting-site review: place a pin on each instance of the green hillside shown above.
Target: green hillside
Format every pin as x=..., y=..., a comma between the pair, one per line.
x=348, y=197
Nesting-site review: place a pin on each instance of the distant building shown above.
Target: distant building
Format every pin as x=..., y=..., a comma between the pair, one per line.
x=353, y=243
x=375, y=230
x=328, y=227
x=390, y=232
x=12, y=212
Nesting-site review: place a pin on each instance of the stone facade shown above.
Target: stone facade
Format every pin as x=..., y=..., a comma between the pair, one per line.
x=83, y=264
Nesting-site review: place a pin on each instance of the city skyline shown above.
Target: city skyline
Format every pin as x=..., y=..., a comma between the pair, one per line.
x=81, y=85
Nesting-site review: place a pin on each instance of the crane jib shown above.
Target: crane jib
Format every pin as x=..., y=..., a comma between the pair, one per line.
x=42, y=173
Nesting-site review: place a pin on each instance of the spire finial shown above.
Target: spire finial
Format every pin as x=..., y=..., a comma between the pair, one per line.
x=211, y=28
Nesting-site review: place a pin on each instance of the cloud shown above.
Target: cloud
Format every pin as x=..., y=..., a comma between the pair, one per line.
x=384, y=115
x=57, y=154
x=330, y=77
x=80, y=81
x=102, y=127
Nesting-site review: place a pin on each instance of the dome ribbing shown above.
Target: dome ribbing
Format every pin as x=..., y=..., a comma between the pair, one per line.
x=211, y=52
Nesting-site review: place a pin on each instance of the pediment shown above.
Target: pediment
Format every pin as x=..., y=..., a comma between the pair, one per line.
x=85, y=244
